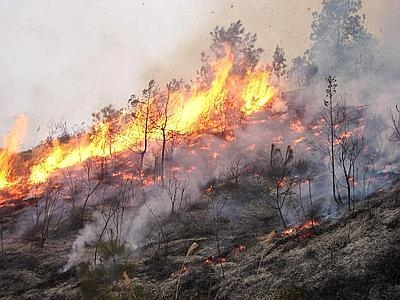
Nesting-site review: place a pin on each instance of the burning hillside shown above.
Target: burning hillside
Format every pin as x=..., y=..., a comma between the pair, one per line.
x=153, y=118
x=251, y=173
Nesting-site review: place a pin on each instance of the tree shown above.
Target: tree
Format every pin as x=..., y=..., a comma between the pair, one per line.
x=235, y=170
x=176, y=191
x=112, y=211
x=394, y=116
x=332, y=119
x=46, y=215
x=336, y=31
x=164, y=111
x=217, y=206
x=241, y=43
x=279, y=63
x=143, y=113
x=278, y=179
x=351, y=145
x=302, y=71
x=306, y=171
x=90, y=187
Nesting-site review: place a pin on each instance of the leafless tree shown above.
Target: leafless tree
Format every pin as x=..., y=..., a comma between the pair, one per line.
x=177, y=191
x=144, y=113
x=236, y=170
x=112, y=212
x=331, y=119
x=217, y=206
x=47, y=215
x=394, y=116
x=278, y=179
x=351, y=145
x=165, y=113
x=90, y=187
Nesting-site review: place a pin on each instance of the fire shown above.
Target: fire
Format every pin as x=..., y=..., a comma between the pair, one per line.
x=256, y=93
x=303, y=227
x=191, y=111
x=297, y=126
x=214, y=260
x=289, y=231
x=11, y=146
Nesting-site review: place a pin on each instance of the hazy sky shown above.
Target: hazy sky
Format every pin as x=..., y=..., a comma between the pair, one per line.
x=62, y=60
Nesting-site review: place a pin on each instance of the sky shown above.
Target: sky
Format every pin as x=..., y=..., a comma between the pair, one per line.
x=62, y=60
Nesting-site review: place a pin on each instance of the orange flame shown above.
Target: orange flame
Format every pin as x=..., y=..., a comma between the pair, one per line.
x=193, y=110
x=11, y=142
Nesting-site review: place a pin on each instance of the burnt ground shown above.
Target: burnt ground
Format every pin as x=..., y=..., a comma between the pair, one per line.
x=354, y=257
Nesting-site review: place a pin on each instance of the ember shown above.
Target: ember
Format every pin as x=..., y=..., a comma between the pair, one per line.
x=214, y=260
x=303, y=229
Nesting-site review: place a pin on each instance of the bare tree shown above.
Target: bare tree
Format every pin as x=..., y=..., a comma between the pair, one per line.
x=176, y=190
x=278, y=179
x=143, y=113
x=331, y=118
x=165, y=113
x=112, y=212
x=217, y=206
x=351, y=145
x=394, y=116
x=90, y=187
x=47, y=215
x=235, y=170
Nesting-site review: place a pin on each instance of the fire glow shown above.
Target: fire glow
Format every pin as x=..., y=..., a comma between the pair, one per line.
x=192, y=111
x=302, y=228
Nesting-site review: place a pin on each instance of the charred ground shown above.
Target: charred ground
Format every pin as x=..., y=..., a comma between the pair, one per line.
x=355, y=256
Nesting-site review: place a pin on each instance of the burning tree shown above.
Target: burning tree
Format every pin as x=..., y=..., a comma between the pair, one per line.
x=165, y=113
x=241, y=43
x=144, y=112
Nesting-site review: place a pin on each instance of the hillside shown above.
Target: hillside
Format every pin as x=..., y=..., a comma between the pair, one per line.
x=352, y=257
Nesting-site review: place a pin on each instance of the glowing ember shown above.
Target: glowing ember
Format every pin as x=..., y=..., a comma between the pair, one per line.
x=305, y=226
x=214, y=260
x=297, y=126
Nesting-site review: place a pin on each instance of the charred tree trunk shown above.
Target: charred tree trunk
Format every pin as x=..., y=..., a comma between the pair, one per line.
x=310, y=198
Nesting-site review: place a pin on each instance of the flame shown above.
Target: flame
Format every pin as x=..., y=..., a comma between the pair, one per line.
x=191, y=111
x=309, y=224
x=256, y=93
x=297, y=126
x=11, y=142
